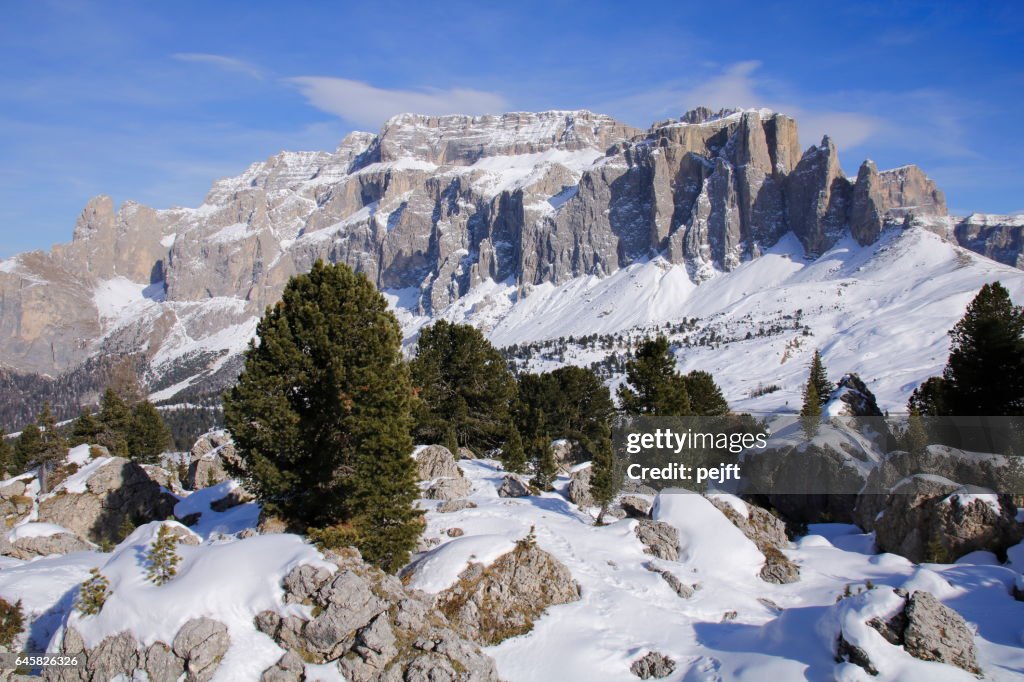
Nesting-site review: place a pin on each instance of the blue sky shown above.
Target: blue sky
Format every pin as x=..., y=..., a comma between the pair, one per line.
x=152, y=101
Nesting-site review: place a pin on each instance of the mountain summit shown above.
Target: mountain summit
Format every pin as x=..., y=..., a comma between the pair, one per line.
x=434, y=207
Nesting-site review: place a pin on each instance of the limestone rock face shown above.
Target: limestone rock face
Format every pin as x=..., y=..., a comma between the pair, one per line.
x=370, y=627
x=117, y=490
x=923, y=626
x=438, y=205
x=491, y=604
x=196, y=652
x=653, y=665
x=929, y=518
x=514, y=486
x=578, y=491
x=1000, y=238
x=660, y=539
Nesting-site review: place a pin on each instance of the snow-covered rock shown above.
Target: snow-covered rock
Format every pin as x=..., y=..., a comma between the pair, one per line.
x=368, y=626
x=491, y=603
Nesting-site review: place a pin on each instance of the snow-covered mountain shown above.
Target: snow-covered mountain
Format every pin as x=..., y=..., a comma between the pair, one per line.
x=534, y=227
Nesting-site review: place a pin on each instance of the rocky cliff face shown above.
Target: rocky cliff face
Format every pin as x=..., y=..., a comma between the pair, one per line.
x=432, y=207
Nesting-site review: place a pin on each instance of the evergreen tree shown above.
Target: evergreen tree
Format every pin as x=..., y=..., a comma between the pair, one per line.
x=569, y=402
x=93, y=593
x=162, y=557
x=52, y=446
x=706, y=399
x=545, y=468
x=819, y=377
x=604, y=479
x=985, y=371
x=116, y=420
x=810, y=413
x=321, y=414
x=929, y=399
x=149, y=437
x=29, y=446
x=463, y=383
x=8, y=462
x=653, y=386
x=916, y=437
x=86, y=429
x=513, y=455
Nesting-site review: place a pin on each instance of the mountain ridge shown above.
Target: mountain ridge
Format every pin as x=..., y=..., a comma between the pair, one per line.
x=435, y=208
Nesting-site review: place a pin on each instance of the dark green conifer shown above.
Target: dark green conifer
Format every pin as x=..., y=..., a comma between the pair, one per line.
x=653, y=386
x=706, y=399
x=321, y=414
x=985, y=371
x=463, y=383
x=149, y=436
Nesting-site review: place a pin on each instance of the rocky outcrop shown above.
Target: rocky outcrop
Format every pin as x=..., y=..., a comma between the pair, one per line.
x=448, y=489
x=27, y=548
x=939, y=503
x=513, y=486
x=683, y=590
x=15, y=503
x=195, y=651
x=635, y=507
x=490, y=604
x=455, y=505
x=436, y=461
x=653, y=666
x=211, y=460
x=118, y=490
x=768, y=532
x=437, y=464
x=578, y=490
x=660, y=539
x=368, y=625
x=998, y=237
x=852, y=398
x=809, y=482
x=926, y=628
x=930, y=518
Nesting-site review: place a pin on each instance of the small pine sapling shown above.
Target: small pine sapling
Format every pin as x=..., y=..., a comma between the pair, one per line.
x=163, y=557
x=93, y=593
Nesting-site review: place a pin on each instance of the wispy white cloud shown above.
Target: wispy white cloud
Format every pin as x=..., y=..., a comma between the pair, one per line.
x=368, y=106
x=221, y=62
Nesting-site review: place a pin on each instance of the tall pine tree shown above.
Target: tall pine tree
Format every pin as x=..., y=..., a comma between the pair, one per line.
x=52, y=446
x=321, y=414
x=463, y=384
x=653, y=386
x=706, y=399
x=85, y=429
x=149, y=436
x=819, y=377
x=8, y=462
x=115, y=417
x=985, y=371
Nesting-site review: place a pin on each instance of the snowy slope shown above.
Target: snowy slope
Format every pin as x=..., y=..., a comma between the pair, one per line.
x=883, y=311
x=734, y=627
x=627, y=610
